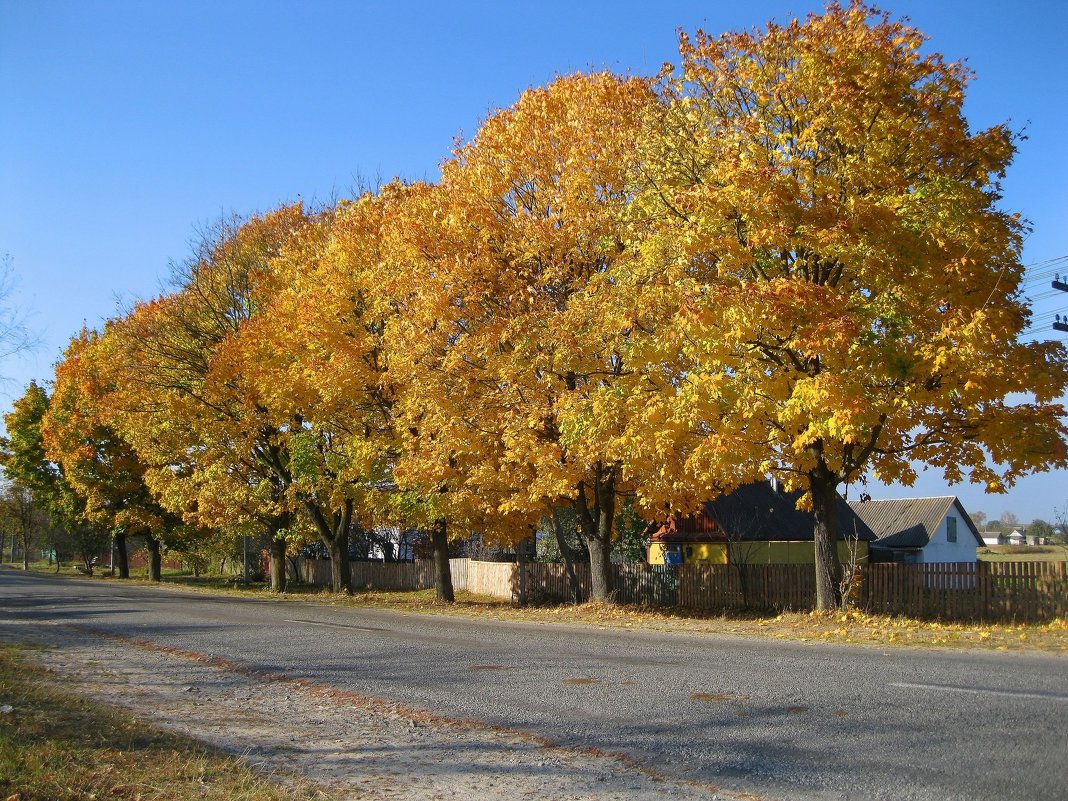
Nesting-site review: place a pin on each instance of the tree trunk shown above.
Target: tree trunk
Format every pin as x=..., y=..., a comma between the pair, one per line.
x=335, y=536
x=569, y=558
x=596, y=526
x=155, y=559
x=743, y=583
x=825, y=535
x=340, y=570
x=601, y=588
x=25, y=553
x=276, y=528
x=122, y=557
x=278, y=563
x=439, y=539
x=521, y=587
x=343, y=524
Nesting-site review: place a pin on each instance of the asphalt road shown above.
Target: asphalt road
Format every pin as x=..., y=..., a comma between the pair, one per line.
x=783, y=720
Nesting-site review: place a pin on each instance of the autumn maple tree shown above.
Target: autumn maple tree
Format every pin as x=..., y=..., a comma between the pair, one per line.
x=211, y=453
x=508, y=313
x=24, y=458
x=434, y=446
x=846, y=285
x=313, y=366
x=98, y=464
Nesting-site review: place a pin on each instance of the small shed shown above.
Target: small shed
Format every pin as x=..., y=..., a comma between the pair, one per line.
x=991, y=537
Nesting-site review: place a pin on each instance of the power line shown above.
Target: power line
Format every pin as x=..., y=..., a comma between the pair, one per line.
x=1039, y=278
x=1060, y=286
x=1045, y=262
x=1049, y=293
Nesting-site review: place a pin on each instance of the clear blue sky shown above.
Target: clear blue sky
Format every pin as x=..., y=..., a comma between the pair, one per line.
x=125, y=125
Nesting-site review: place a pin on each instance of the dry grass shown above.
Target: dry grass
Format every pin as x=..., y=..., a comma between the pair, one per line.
x=851, y=627
x=56, y=746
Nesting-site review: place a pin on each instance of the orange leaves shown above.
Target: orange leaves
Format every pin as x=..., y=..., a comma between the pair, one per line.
x=189, y=385
x=830, y=223
x=506, y=328
x=97, y=463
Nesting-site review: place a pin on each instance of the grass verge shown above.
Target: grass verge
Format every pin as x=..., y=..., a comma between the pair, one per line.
x=56, y=746
x=851, y=627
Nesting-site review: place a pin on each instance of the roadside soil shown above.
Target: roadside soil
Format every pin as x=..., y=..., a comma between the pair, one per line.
x=357, y=746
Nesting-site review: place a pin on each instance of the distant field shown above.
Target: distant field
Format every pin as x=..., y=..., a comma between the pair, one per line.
x=1024, y=553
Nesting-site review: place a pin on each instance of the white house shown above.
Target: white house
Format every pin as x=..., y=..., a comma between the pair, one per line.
x=920, y=530
x=1016, y=537
x=992, y=537
x=391, y=543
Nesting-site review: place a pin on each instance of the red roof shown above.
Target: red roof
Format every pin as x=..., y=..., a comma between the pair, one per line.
x=694, y=528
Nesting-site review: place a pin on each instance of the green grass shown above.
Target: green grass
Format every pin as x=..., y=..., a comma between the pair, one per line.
x=57, y=746
x=100, y=571
x=1024, y=553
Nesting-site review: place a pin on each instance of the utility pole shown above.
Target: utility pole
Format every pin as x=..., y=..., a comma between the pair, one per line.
x=1059, y=324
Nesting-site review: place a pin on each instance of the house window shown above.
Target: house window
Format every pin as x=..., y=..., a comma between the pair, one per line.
x=951, y=529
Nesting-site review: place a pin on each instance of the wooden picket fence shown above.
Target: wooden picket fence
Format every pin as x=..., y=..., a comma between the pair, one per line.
x=969, y=591
x=770, y=587
x=692, y=586
x=548, y=582
x=399, y=576
x=488, y=578
x=951, y=591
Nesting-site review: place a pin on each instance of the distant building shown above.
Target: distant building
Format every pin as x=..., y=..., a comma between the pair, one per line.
x=1016, y=537
x=992, y=537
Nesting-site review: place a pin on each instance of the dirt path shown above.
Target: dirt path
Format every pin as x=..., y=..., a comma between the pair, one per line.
x=364, y=748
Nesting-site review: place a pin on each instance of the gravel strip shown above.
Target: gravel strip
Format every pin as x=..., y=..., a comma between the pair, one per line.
x=361, y=747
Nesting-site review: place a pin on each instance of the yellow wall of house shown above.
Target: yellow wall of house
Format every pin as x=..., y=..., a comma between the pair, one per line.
x=699, y=553
x=754, y=553
x=656, y=553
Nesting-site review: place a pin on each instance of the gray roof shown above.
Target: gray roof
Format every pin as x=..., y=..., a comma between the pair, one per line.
x=909, y=522
x=760, y=512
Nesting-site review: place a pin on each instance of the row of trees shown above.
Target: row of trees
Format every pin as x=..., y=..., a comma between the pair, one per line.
x=28, y=533
x=783, y=257
x=1037, y=527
